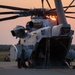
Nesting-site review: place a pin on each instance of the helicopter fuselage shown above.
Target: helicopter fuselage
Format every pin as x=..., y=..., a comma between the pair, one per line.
x=51, y=34
x=46, y=38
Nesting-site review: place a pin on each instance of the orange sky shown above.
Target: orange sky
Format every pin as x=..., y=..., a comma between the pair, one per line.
x=7, y=26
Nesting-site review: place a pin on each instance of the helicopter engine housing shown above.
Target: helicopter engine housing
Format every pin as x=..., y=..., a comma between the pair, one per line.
x=19, y=31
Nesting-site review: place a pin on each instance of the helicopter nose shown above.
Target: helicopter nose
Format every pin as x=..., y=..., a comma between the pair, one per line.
x=18, y=32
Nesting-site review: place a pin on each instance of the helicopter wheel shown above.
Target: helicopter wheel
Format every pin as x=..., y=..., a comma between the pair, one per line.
x=19, y=65
x=73, y=67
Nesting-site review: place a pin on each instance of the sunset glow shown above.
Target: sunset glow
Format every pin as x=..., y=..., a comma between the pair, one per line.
x=53, y=17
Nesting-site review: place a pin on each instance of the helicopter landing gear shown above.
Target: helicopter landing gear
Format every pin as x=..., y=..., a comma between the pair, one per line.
x=22, y=63
x=19, y=63
x=73, y=67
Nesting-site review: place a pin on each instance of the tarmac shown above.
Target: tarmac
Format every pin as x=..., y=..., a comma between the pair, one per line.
x=10, y=68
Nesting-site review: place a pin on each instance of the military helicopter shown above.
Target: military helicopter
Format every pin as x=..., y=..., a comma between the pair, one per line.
x=46, y=39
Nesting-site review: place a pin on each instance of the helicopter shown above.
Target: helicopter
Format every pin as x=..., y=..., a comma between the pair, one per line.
x=46, y=39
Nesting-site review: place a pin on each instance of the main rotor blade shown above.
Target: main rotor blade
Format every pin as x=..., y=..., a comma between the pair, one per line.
x=20, y=13
x=9, y=18
x=69, y=5
x=69, y=12
x=70, y=17
x=2, y=13
x=12, y=7
x=48, y=4
x=42, y=3
x=66, y=7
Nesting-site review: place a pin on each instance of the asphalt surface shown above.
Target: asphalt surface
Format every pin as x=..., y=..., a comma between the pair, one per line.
x=10, y=68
